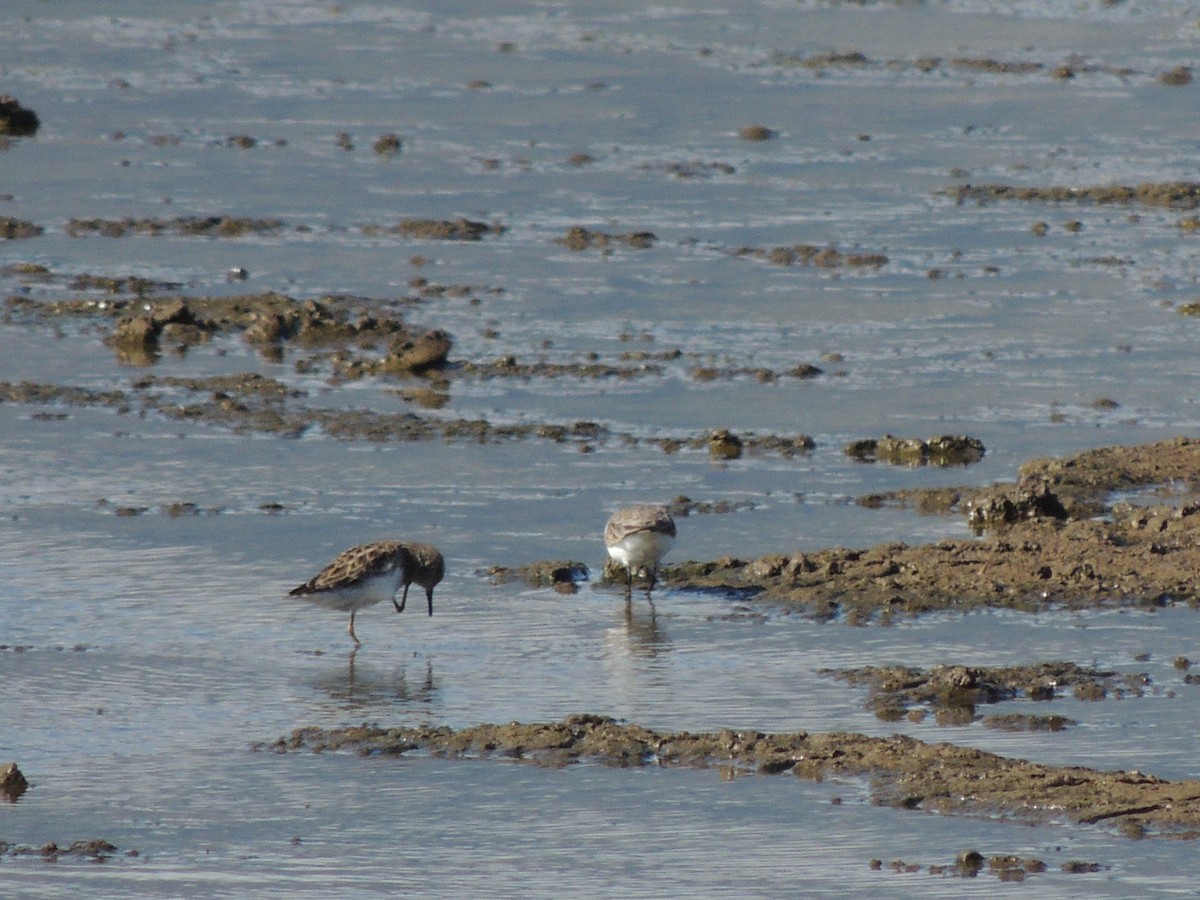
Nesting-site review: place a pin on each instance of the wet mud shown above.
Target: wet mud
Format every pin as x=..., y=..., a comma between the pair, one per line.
x=901, y=771
x=12, y=782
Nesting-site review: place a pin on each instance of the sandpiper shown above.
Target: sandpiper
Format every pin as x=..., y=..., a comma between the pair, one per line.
x=371, y=573
x=638, y=537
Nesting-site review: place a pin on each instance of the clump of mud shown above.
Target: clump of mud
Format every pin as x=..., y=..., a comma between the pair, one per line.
x=944, y=450
x=1027, y=500
x=824, y=61
x=953, y=692
x=812, y=255
x=95, y=850
x=15, y=119
x=207, y=226
x=580, y=238
x=12, y=782
x=972, y=863
x=387, y=144
x=447, y=230
x=756, y=133
x=724, y=444
x=18, y=229
x=556, y=573
x=901, y=771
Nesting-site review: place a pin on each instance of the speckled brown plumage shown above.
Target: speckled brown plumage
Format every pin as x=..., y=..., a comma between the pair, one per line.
x=368, y=574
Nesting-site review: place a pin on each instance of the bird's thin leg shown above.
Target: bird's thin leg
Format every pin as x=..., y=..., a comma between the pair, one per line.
x=400, y=606
x=350, y=630
x=652, y=581
x=429, y=597
x=628, y=581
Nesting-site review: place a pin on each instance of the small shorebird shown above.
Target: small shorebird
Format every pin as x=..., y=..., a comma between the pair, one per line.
x=371, y=573
x=638, y=537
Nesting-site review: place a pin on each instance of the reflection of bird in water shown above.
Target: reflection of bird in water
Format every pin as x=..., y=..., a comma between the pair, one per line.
x=638, y=537
x=360, y=691
x=635, y=653
x=369, y=574
x=643, y=633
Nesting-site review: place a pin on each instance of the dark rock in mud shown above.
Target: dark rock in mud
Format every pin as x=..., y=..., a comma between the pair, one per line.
x=12, y=782
x=900, y=771
x=15, y=119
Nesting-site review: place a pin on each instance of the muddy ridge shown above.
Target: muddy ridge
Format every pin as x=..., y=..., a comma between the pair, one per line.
x=1171, y=194
x=95, y=850
x=249, y=402
x=1055, y=538
x=902, y=772
x=1065, y=71
x=348, y=337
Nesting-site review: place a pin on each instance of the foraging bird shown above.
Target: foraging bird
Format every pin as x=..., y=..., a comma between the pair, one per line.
x=371, y=573
x=638, y=537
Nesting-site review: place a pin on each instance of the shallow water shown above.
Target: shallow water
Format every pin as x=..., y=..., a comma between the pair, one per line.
x=143, y=655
